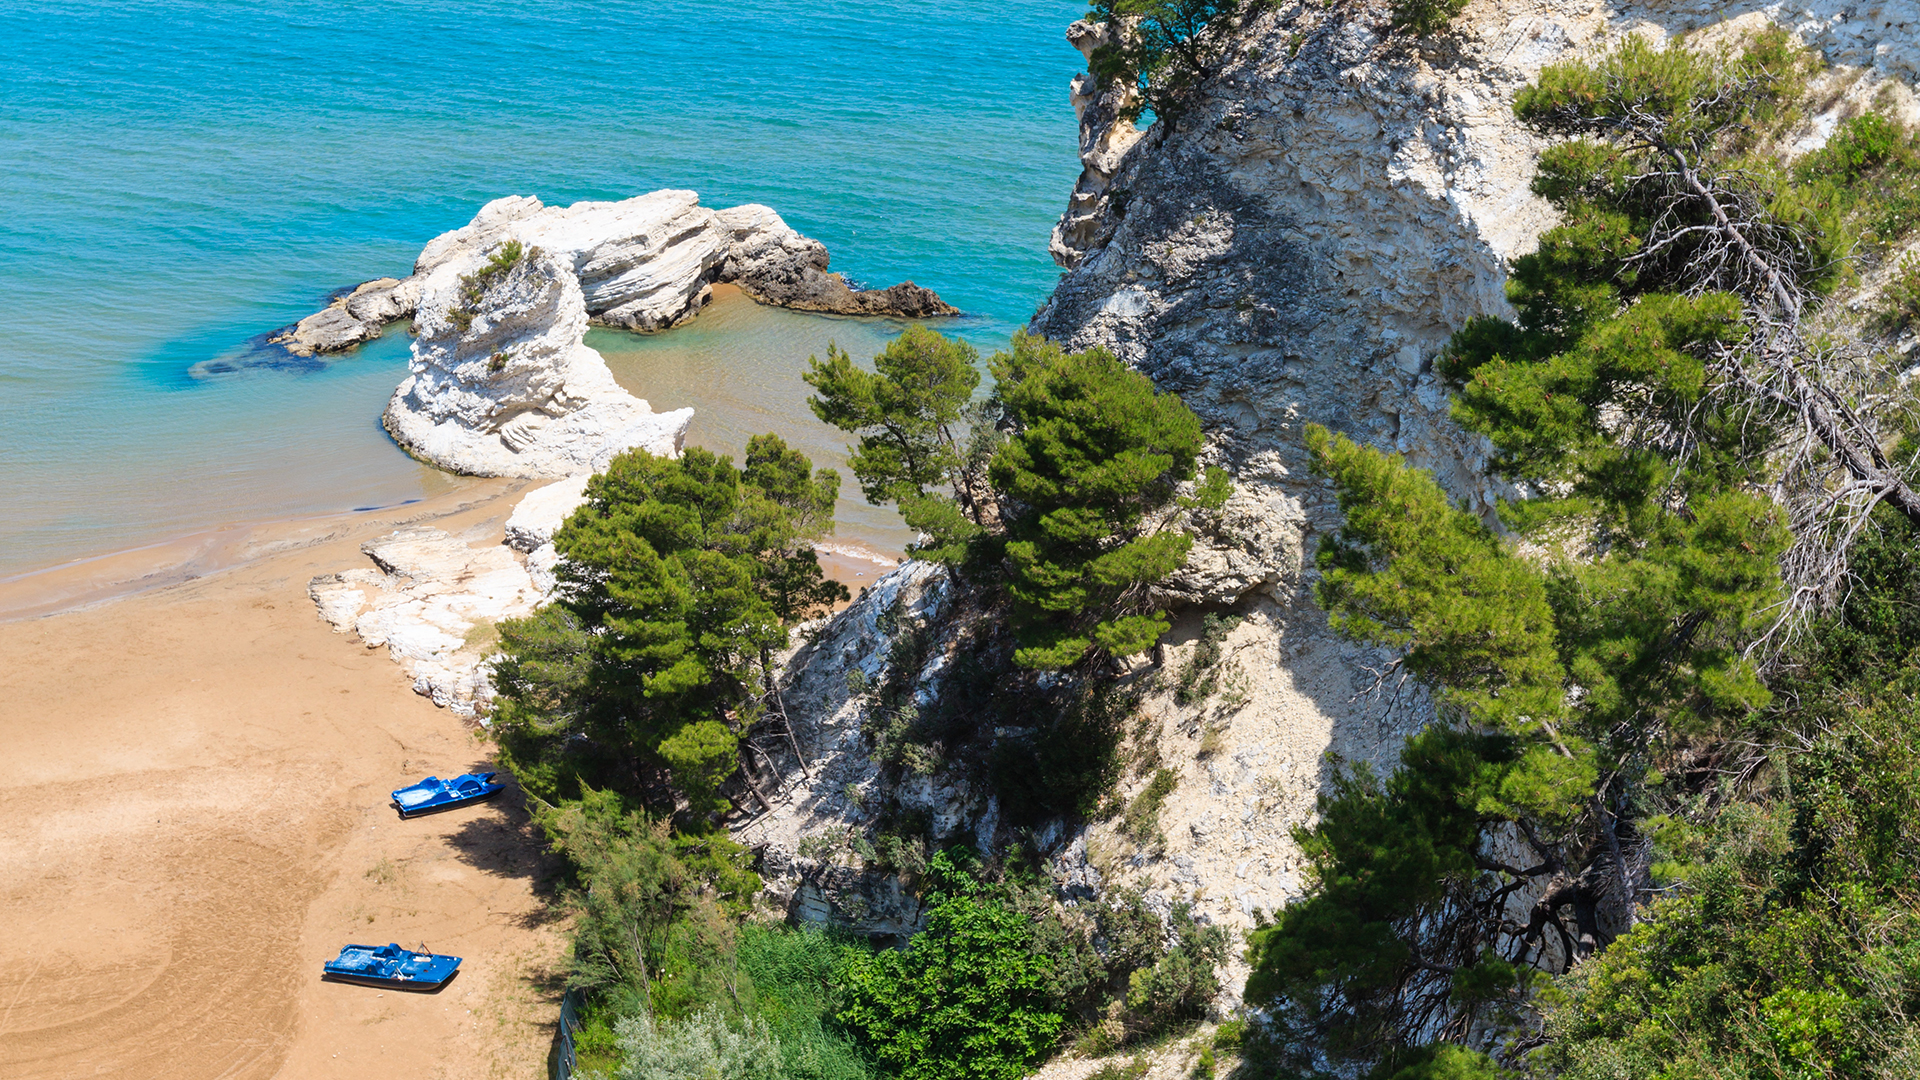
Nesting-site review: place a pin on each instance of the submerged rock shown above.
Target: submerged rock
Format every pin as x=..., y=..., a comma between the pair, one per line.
x=645, y=263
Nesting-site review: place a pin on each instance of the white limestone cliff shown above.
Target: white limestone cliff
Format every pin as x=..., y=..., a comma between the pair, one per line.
x=504, y=385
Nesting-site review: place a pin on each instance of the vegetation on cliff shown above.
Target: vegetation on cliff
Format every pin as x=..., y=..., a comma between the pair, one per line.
x=680, y=578
x=1672, y=753
x=1064, y=488
x=625, y=705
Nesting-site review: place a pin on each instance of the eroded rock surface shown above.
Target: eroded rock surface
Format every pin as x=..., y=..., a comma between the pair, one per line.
x=432, y=600
x=805, y=840
x=1296, y=250
x=503, y=384
x=645, y=263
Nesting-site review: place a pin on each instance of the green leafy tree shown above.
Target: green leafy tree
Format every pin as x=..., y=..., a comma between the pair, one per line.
x=635, y=890
x=967, y=998
x=910, y=413
x=1638, y=399
x=1783, y=943
x=679, y=577
x=1093, y=463
x=1165, y=49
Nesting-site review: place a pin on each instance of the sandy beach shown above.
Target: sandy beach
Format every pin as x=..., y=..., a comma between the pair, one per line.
x=196, y=816
x=195, y=807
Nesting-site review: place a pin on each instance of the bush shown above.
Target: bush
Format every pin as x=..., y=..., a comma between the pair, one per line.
x=1899, y=305
x=967, y=998
x=474, y=286
x=1425, y=17
x=1142, y=821
x=701, y=1047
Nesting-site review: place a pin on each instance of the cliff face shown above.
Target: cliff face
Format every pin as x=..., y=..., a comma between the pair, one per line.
x=1297, y=249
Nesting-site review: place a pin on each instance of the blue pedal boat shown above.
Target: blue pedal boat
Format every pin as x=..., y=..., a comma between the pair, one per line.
x=390, y=967
x=434, y=794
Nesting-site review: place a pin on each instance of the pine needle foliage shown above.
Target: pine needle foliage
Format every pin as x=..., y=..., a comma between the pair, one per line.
x=1095, y=453
x=1625, y=617
x=913, y=413
x=1065, y=480
x=1164, y=48
x=679, y=578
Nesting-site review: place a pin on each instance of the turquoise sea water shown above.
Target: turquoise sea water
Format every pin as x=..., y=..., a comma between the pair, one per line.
x=178, y=177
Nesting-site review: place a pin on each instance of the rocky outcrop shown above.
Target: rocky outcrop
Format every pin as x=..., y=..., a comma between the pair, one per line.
x=1107, y=132
x=645, y=264
x=432, y=601
x=353, y=317
x=778, y=266
x=806, y=840
x=502, y=383
x=543, y=510
x=1335, y=203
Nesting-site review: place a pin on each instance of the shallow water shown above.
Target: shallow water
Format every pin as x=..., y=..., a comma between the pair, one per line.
x=180, y=177
x=739, y=366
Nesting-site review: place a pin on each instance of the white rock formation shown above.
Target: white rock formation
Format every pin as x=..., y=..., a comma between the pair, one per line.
x=432, y=602
x=840, y=787
x=357, y=316
x=503, y=385
x=543, y=510
x=644, y=263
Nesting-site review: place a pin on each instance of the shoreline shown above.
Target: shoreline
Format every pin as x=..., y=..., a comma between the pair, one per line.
x=93, y=580
x=197, y=818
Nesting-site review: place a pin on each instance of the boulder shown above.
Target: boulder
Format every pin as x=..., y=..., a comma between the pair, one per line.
x=356, y=316
x=431, y=603
x=543, y=510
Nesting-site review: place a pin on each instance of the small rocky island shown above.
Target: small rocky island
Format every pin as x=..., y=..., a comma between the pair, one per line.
x=645, y=263
x=502, y=382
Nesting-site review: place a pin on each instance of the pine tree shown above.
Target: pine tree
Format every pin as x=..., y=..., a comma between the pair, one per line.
x=678, y=578
x=910, y=413
x=1095, y=459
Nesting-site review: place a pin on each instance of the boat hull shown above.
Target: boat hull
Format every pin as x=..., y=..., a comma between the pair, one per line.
x=391, y=967
x=417, y=986
x=434, y=808
x=432, y=795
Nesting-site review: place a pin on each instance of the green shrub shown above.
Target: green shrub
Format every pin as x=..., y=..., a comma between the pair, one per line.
x=1199, y=677
x=474, y=286
x=1425, y=17
x=966, y=998
x=703, y=1046
x=1899, y=305
x=1142, y=821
